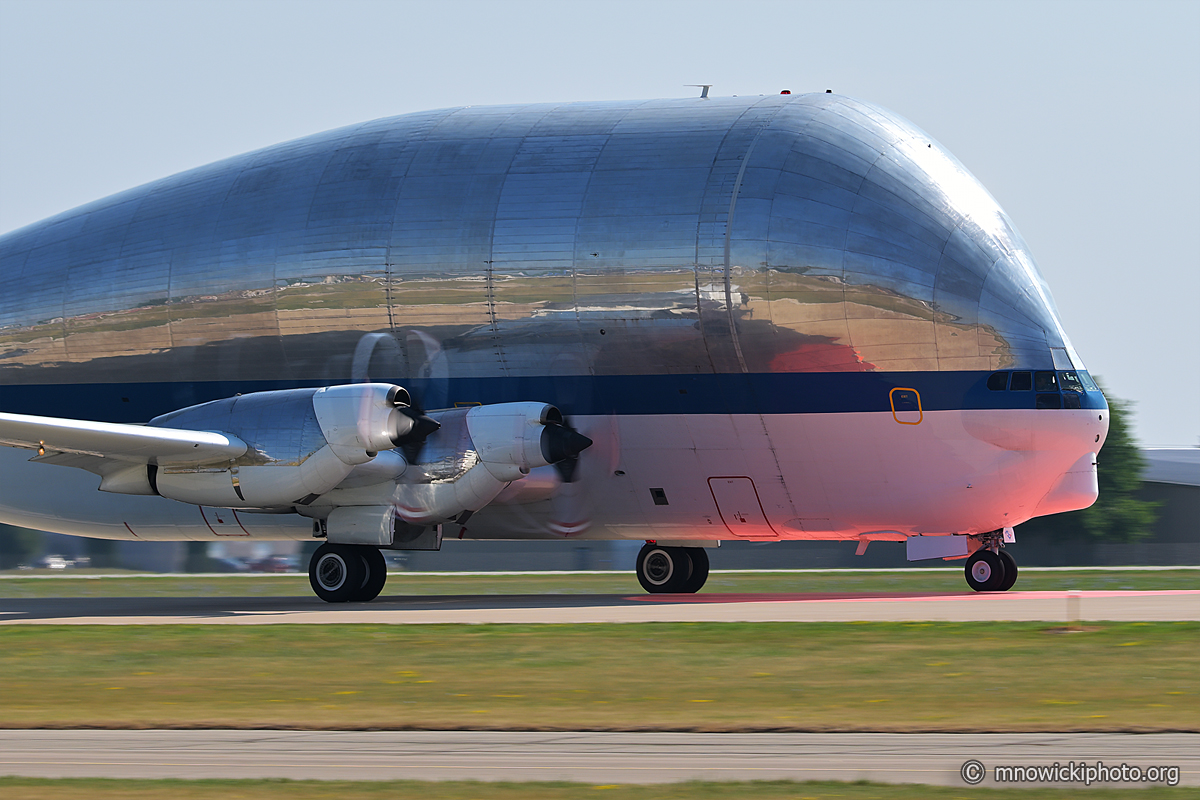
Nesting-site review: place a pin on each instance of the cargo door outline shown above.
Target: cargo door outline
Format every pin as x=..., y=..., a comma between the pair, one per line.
x=740, y=507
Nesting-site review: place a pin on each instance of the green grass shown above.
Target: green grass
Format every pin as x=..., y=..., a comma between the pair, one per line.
x=652, y=676
x=924, y=580
x=41, y=789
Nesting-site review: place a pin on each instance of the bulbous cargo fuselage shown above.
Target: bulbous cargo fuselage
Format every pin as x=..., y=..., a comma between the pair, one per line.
x=781, y=317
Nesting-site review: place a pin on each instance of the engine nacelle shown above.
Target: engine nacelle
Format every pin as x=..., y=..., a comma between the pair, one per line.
x=479, y=451
x=359, y=420
x=513, y=438
x=301, y=444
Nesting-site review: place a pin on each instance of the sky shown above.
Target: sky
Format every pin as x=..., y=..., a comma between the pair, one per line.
x=1081, y=118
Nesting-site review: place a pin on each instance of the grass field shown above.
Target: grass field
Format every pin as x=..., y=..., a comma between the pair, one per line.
x=650, y=676
x=16, y=584
x=34, y=789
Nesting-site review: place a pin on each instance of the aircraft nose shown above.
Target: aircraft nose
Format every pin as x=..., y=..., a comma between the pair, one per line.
x=1104, y=423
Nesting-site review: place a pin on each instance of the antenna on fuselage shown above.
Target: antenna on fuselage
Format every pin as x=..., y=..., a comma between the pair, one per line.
x=703, y=87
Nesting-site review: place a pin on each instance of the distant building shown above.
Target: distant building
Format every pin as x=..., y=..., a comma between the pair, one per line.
x=1174, y=466
x=1172, y=478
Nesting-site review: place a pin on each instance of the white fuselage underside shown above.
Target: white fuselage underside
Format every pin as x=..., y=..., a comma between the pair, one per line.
x=796, y=476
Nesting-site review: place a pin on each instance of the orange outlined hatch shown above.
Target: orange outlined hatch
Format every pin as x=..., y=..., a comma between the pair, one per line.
x=906, y=405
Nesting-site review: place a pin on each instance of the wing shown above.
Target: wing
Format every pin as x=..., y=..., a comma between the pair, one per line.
x=137, y=444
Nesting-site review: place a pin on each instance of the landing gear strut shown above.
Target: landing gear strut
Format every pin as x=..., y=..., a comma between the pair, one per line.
x=341, y=573
x=671, y=570
x=991, y=570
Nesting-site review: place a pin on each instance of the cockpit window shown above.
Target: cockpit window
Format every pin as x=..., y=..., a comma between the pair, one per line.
x=1069, y=381
x=1049, y=401
x=1021, y=382
x=998, y=381
x=1088, y=383
x=1045, y=382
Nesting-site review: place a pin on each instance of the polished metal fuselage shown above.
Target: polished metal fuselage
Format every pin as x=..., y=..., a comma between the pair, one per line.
x=806, y=233
x=722, y=258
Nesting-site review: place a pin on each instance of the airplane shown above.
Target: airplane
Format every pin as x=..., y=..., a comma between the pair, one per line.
x=679, y=321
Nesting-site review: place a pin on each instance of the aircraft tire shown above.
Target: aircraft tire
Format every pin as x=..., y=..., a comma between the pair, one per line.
x=663, y=570
x=695, y=581
x=985, y=571
x=376, y=575
x=1010, y=571
x=337, y=572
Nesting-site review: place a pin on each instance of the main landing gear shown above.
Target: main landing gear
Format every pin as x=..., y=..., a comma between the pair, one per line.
x=991, y=570
x=671, y=570
x=341, y=573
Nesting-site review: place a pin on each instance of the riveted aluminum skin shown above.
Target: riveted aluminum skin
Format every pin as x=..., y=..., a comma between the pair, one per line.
x=782, y=234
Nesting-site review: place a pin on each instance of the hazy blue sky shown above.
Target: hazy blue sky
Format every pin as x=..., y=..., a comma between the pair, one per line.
x=1082, y=118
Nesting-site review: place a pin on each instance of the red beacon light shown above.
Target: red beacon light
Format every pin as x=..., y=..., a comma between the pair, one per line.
x=786, y=91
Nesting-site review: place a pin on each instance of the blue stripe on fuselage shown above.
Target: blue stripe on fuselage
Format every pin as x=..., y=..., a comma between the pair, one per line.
x=766, y=393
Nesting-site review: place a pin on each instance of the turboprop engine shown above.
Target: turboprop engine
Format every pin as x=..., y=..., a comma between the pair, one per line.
x=300, y=443
x=358, y=457
x=476, y=453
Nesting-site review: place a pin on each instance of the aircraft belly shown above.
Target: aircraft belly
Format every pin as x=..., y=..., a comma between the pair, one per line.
x=864, y=472
x=697, y=476
x=814, y=476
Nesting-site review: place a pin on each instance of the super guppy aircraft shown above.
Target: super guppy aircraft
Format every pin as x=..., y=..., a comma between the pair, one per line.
x=679, y=321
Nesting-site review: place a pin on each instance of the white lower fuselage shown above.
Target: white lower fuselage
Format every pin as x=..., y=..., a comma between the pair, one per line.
x=816, y=476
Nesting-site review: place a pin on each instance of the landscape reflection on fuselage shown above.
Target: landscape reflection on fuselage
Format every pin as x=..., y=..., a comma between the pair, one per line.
x=679, y=321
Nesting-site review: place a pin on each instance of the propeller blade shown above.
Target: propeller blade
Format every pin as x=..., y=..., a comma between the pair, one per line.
x=571, y=507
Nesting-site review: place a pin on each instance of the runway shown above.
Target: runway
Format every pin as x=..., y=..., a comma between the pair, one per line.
x=1131, y=606
x=586, y=757
x=600, y=758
